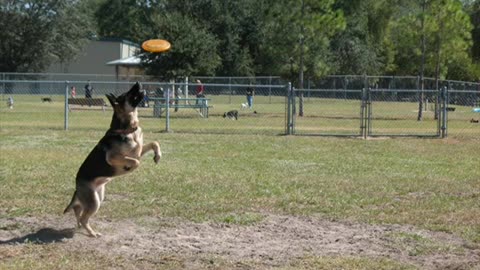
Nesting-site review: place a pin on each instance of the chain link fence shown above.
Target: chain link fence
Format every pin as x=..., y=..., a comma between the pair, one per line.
x=336, y=105
x=58, y=105
x=386, y=106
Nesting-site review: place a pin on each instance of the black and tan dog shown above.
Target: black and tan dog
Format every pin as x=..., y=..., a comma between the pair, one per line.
x=117, y=153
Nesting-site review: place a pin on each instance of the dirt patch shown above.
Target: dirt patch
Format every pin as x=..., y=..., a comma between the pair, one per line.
x=274, y=241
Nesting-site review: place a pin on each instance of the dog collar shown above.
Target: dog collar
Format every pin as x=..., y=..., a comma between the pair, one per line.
x=124, y=131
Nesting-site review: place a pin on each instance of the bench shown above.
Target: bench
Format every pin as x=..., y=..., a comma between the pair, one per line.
x=200, y=104
x=89, y=102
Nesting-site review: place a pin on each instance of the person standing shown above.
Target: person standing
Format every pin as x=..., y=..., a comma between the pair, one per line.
x=88, y=90
x=200, y=90
x=73, y=92
x=10, y=102
x=250, y=95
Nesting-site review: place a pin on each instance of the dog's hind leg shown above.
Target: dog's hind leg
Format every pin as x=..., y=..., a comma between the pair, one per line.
x=91, y=203
x=76, y=206
x=78, y=212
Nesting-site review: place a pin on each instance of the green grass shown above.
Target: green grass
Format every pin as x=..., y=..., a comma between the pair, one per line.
x=428, y=183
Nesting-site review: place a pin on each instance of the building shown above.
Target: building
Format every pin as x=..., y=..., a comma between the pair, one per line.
x=106, y=56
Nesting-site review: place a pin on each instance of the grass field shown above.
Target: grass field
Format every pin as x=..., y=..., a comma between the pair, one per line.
x=322, y=117
x=409, y=189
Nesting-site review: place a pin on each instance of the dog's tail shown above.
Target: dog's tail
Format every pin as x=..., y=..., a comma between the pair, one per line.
x=72, y=203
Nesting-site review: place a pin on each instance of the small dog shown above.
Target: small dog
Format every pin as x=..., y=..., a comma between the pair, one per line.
x=244, y=106
x=46, y=99
x=474, y=121
x=117, y=153
x=231, y=114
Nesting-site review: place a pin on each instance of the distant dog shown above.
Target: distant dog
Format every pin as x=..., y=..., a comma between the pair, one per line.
x=231, y=114
x=46, y=99
x=474, y=121
x=244, y=106
x=117, y=153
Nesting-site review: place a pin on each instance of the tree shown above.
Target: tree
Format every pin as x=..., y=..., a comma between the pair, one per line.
x=447, y=30
x=473, y=9
x=73, y=29
x=364, y=46
x=301, y=35
x=194, y=49
x=35, y=33
x=238, y=27
x=320, y=21
x=127, y=19
x=444, y=35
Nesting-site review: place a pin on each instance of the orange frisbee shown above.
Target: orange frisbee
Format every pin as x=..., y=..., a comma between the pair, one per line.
x=156, y=45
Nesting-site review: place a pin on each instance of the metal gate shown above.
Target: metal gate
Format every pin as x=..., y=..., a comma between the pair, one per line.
x=367, y=112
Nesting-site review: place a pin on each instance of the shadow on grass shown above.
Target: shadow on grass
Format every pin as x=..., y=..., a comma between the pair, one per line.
x=42, y=236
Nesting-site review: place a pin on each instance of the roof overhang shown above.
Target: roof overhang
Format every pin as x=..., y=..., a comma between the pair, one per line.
x=129, y=61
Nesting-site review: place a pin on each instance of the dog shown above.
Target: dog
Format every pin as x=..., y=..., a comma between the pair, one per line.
x=46, y=99
x=233, y=114
x=117, y=153
x=474, y=121
x=244, y=106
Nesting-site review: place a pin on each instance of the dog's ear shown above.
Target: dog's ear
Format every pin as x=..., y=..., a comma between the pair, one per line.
x=113, y=100
x=136, y=87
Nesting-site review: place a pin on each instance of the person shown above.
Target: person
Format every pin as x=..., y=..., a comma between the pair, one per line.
x=10, y=102
x=168, y=93
x=73, y=92
x=200, y=90
x=250, y=94
x=88, y=90
x=146, y=101
x=178, y=96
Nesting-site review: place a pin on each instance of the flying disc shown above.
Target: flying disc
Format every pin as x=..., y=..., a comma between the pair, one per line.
x=156, y=45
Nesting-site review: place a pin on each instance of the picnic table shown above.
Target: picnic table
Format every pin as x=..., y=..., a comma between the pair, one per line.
x=198, y=104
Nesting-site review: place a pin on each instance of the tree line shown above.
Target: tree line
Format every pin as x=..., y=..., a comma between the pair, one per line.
x=291, y=38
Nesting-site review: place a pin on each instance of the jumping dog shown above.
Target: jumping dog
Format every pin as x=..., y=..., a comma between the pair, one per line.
x=117, y=153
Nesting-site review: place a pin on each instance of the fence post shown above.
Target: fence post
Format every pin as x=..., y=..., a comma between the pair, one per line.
x=186, y=87
x=294, y=110
x=369, y=113
x=3, y=86
x=167, y=112
x=363, y=109
x=444, y=113
x=230, y=90
x=65, y=118
x=289, y=109
x=270, y=88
